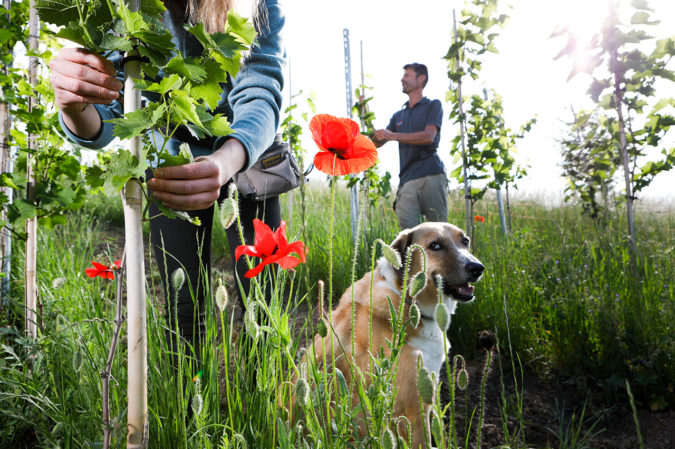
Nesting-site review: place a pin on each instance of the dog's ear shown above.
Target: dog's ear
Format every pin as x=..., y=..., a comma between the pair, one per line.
x=401, y=243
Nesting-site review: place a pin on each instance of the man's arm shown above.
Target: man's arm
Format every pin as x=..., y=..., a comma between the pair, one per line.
x=425, y=137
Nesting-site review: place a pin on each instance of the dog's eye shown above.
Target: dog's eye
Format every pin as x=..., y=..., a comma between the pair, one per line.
x=435, y=246
x=466, y=241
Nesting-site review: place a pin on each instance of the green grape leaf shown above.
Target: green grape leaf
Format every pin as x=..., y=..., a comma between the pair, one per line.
x=152, y=7
x=133, y=124
x=111, y=42
x=241, y=27
x=166, y=85
x=190, y=68
x=63, y=12
x=133, y=21
x=209, y=89
x=93, y=176
x=185, y=107
x=173, y=214
x=122, y=167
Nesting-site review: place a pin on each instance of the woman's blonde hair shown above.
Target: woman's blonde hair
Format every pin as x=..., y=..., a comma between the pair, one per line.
x=213, y=13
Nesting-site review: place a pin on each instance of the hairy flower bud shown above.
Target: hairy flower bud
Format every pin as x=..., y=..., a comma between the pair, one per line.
x=442, y=316
x=425, y=385
x=322, y=328
x=178, y=279
x=78, y=359
x=463, y=379
x=197, y=404
x=252, y=327
x=222, y=298
x=391, y=255
x=414, y=315
x=387, y=440
x=58, y=282
x=302, y=392
x=228, y=212
x=418, y=283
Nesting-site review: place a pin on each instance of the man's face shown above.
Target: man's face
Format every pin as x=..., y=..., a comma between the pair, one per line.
x=410, y=81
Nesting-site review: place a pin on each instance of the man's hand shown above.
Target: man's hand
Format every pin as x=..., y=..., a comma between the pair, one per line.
x=196, y=185
x=382, y=136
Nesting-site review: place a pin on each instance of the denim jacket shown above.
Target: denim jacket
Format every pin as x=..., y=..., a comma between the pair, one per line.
x=252, y=101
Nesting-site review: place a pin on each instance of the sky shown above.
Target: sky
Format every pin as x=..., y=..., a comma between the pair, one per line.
x=392, y=33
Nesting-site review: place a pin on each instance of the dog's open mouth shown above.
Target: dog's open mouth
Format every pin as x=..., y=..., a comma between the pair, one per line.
x=463, y=292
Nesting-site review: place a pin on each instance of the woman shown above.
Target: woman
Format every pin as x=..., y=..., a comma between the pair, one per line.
x=87, y=91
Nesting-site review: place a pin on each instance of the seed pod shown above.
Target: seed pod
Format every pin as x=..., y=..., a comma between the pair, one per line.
x=425, y=386
x=222, y=298
x=197, y=404
x=322, y=328
x=387, y=440
x=302, y=392
x=442, y=316
x=252, y=328
x=463, y=379
x=228, y=212
x=78, y=359
x=414, y=315
x=391, y=255
x=178, y=279
x=58, y=282
x=418, y=283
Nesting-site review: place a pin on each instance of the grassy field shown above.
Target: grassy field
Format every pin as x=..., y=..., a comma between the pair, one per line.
x=559, y=293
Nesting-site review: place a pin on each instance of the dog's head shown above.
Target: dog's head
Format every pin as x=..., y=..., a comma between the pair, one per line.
x=447, y=255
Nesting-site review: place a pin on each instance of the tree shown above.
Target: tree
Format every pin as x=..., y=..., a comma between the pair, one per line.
x=624, y=86
x=590, y=162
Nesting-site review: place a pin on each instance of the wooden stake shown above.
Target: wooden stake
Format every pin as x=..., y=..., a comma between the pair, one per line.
x=30, y=271
x=137, y=346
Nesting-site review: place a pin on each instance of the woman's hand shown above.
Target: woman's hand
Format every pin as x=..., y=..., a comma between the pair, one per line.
x=80, y=78
x=196, y=185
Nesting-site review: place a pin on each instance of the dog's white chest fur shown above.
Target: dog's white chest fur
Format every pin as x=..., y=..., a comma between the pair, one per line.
x=432, y=344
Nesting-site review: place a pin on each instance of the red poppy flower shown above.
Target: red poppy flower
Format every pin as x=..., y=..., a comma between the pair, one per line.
x=271, y=247
x=341, y=137
x=103, y=270
x=479, y=218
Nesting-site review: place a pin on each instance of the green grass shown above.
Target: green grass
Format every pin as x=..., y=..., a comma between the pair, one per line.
x=563, y=282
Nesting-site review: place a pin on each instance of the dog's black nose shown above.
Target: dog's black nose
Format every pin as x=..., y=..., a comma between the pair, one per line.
x=474, y=269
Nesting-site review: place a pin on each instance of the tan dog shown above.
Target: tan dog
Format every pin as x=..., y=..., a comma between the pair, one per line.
x=447, y=254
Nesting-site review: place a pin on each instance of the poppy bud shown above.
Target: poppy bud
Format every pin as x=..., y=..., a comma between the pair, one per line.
x=418, y=283
x=387, y=440
x=391, y=255
x=425, y=386
x=442, y=316
x=197, y=404
x=228, y=212
x=58, y=282
x=414, y=315
x=178, y=279
x=222, y=297
x=322, y=328
x=302, y=392
x=78, y=359
x=462, y=379
x=250, y=324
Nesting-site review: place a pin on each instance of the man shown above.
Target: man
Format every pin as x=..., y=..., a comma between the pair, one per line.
x=423, y=185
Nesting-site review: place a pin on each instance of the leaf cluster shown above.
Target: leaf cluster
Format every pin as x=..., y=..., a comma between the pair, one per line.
x=185, y=94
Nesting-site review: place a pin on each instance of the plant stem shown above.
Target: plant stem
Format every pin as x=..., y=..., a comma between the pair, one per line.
x=105, y=374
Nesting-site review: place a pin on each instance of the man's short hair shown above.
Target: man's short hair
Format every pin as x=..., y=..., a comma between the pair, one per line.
x=419, y=69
